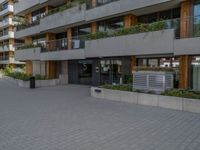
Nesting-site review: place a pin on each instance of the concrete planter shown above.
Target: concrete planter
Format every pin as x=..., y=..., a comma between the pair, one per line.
x=24, y=84
x=45, y=83
x=170, y=102
x=115, y=95
x=38, y=83
x=176, y=103
x=148, y=99
x=191, y=105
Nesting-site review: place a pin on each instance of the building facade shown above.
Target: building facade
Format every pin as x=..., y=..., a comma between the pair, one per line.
x=7, y=38
x=100, y=41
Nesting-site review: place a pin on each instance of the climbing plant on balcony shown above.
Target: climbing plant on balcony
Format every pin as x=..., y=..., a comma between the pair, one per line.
x=139, y=28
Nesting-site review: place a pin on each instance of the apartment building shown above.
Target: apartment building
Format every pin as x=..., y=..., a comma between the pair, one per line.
x=123, y=34
x=7, y=39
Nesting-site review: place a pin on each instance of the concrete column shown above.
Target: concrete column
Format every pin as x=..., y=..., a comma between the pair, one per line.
x=133, y=63
x=28, y=18
x=69, y=38
x=186, y=7
x=94, y=3
x=29, y=68
x=50, y=69
x=129, y=20
x=28, y=40
x=94, y=27
x=184, y=72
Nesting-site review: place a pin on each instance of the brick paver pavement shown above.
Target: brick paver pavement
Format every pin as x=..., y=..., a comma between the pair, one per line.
x=67, y=118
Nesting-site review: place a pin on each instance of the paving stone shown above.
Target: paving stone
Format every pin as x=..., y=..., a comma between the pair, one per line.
x=67, y=118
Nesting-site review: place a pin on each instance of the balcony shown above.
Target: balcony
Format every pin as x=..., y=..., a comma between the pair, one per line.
x=6, y=48
x=7, y=10
x=6, y=23
x=8, y=35
x=7, y=60
x=22, y=5
x=157, y=42
x=27, y=53
x=67, y=17
x=59, y=50
x=114, y=7
x=27, y=29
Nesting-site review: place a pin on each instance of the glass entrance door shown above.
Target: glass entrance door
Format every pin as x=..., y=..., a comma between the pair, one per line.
x=85, y=72
x=111, y=71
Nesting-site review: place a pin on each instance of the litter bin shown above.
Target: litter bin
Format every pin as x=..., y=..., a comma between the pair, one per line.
x=32, y=82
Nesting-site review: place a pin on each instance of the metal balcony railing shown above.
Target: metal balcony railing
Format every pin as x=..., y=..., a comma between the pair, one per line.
x=64, y=44
x=56, y=45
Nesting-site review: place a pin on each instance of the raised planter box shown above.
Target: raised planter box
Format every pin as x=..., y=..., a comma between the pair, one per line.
x=176, y=103
x=38, y=83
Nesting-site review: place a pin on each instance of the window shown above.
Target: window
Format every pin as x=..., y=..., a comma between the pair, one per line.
x=197, y=18
x=195, y=73
x=39, y=40
x=36, y=15
x=111, y=24
x=102, y=2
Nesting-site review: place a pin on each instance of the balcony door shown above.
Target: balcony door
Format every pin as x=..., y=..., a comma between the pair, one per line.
x=197, y=18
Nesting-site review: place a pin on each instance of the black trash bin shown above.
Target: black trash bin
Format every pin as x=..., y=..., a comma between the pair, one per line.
x=32, y=82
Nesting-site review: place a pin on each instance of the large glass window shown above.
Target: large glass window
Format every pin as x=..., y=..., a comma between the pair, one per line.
x=195, y=73
x=111, y=71
x=79, y=33
x=36, y=15
x=197, y=18
x=111, y=24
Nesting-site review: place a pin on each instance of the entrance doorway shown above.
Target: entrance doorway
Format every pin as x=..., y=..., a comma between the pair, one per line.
x=111, y=71
x=85, y=72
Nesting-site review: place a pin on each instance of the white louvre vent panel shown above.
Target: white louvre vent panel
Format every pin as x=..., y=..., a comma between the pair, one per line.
x=153, y=81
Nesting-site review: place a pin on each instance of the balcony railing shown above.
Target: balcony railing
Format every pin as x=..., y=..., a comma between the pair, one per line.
x=56, y=45
x=65, y=7
x=6, y=58
x=64, y=44
x=27, y=25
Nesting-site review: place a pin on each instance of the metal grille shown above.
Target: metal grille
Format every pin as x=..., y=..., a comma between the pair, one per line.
x=153, y=81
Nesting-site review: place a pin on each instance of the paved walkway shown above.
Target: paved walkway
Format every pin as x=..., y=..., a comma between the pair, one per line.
x=66, y=118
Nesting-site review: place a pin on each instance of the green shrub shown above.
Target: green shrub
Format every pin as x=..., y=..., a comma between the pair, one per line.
x=40, y=77
x=182, y=93
x=19, y=75
x=128, y=79
x=139, y=28
x=8, y=70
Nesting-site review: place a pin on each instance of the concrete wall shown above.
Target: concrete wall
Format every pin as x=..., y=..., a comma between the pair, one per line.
x=28, y=54
x=27, y=32
x=158, y=42
x=118, y=7
x=63, y=55
x=188, y=46
x=176, y=103
x=25, y=4
x=66, y=17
